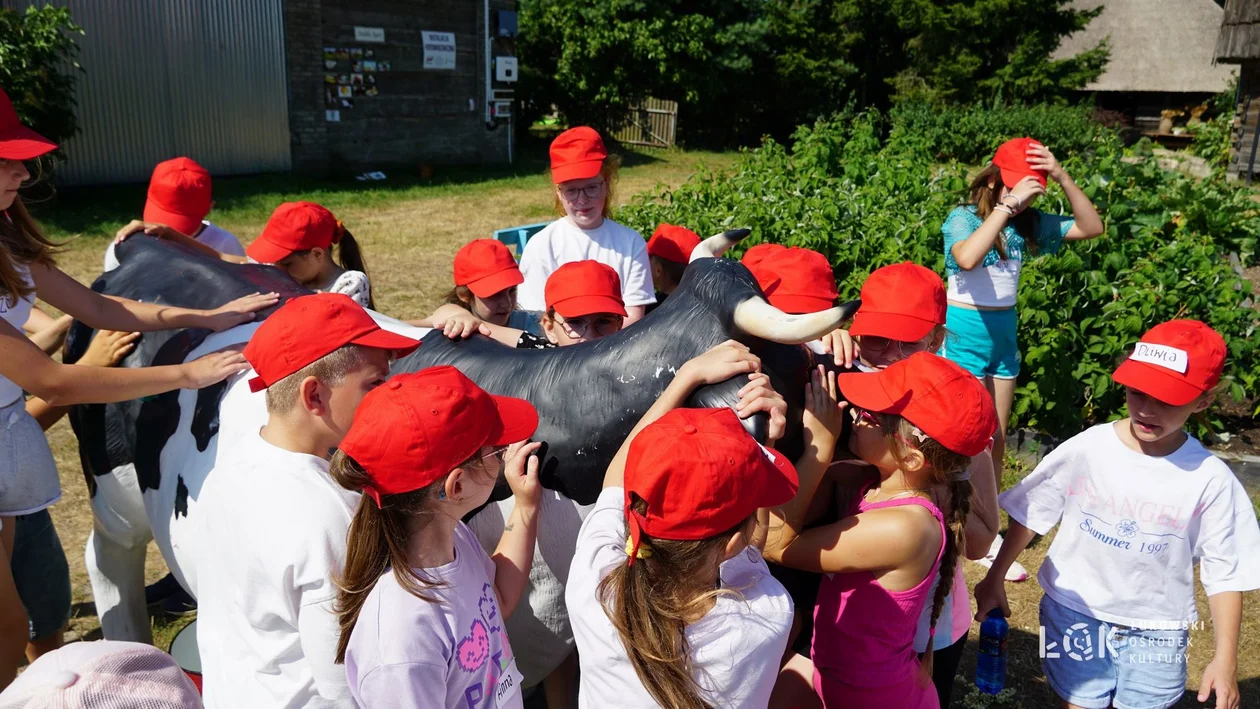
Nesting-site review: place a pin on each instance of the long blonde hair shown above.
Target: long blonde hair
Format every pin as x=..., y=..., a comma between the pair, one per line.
x=23, y=244
x=945, y=465
x=650, y=604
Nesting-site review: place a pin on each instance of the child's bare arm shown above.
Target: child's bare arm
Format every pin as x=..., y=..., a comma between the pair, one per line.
x=1221, y=674
x=991, y=592
x=983, y=523
x=515, y=553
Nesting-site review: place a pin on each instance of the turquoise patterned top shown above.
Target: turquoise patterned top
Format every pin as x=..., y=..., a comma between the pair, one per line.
x=993, y=283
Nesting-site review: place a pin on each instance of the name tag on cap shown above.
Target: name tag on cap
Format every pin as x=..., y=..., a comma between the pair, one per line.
x=1161, y=355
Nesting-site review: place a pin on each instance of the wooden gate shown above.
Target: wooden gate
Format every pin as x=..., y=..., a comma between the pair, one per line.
x=653, y=124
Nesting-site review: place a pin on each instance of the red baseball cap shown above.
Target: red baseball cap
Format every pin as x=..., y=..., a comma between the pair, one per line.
x=797, y=281
x=310, y=327
x=1174, y=362
x=17, y=142
x=486, y=267
x=179, y=195
x=583, y=288
x=294, y=226
x=673, y=243
x=903, y=302
x=577, y=154
x=416, y=428
x=933, y=393
x=755, y=255
x=1012, y=157
x=701, y=474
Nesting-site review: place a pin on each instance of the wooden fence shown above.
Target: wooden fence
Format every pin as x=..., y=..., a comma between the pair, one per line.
x=653, y=124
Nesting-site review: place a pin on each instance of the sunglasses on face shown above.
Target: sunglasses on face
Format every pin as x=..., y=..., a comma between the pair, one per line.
x=880, y=345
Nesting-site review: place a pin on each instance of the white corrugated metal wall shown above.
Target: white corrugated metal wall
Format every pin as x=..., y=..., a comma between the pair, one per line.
x=164, y=78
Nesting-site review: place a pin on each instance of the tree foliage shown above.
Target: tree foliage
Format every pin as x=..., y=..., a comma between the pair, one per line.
x=38, y=69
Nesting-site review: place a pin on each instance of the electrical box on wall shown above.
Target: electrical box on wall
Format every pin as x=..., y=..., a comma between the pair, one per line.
x=505, y=69
x=501, y=109
x=506, y=22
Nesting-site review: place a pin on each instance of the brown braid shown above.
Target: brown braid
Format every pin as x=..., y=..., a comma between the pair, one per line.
x=955, y=539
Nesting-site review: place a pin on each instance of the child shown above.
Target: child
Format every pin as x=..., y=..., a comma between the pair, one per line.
x=1137, y=502
x=986, y=242
x=670, y=600
x=669, y=252
x=421, y=605
x=918, y=422
x=486, y=279
x=266, y=630
x=179, y=200
x=584, y=173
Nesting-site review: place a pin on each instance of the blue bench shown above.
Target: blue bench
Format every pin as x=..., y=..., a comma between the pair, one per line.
x=518, y=236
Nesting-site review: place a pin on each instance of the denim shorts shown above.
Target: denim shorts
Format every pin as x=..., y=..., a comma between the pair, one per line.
x=983, y=341
x=1095, y=664
x=28, y=473
x=41, y=574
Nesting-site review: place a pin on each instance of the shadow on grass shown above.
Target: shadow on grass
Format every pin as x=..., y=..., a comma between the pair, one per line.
x=97, y=210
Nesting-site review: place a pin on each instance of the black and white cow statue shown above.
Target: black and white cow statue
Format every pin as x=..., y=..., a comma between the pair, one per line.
x=145, y=461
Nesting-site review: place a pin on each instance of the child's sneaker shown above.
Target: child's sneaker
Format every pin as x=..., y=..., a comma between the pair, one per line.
x=1016, y=573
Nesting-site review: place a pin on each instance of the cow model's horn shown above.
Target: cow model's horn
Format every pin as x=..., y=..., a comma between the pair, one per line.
x=716, y=245
x=758, y=318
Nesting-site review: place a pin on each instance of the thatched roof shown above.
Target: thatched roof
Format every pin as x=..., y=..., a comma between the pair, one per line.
x=1156, y=45
x=1240, y=32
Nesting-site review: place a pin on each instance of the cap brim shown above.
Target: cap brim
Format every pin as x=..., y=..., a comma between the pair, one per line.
x=589, y=305
x=186, y=224
x=894, y=326
x=1155, y=381
x=1012, y=177
x=22, y=143
x=800, y=304
x=264, y=251
x=865, y=390
x=385, y=340
x=518, y=420
x=496, y=282
x=584, y=170
x=781, y=479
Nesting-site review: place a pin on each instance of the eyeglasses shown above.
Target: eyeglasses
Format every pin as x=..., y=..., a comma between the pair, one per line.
x=497, y=454
x=603, y=325
x=879, y=345
x=570, y=194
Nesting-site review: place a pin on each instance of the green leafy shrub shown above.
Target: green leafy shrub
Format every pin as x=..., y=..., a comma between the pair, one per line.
x=970, y=134
x=1212, y=140
x=866, y=203
x=38, y=68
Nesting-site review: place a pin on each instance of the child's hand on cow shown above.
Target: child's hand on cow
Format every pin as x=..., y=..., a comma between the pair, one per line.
x=135, y=226
x=720, y=363
x=213, y=368
x=759, y=396
x=457, y=323
x=520, y=467
x=108, y=348
x=241, y=310
x=823, y=417
x=840, y=343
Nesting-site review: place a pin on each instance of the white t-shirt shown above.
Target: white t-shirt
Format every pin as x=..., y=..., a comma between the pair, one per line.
x=562, y=242
x=15, y=311
x=217, y=238
x=736, y=649
x=404, y=650
x=1133, y=525
x=353, y=284
x=274, y=528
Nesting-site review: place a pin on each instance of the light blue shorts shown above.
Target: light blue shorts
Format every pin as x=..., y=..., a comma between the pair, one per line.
x=983, y=341
x=1095, y=664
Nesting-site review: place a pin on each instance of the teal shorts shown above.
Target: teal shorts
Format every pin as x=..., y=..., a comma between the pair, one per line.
x=983, y=341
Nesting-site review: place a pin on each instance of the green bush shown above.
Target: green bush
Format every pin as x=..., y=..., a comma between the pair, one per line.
x=866, y=203
x=38, y=68
x=1212, y=140
x=970, y=134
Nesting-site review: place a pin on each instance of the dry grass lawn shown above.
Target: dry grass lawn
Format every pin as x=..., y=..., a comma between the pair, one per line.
x=410, y=234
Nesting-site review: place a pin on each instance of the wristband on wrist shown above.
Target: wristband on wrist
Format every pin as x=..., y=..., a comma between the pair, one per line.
x=1003, y=208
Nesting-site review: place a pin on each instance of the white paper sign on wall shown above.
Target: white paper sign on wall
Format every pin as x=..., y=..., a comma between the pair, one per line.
x=369, y=34
x=439, y=50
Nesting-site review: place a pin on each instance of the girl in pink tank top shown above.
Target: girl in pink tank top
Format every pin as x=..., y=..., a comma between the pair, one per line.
x=917, y=422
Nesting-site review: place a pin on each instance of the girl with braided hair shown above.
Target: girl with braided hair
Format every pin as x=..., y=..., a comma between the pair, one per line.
x=918, y=422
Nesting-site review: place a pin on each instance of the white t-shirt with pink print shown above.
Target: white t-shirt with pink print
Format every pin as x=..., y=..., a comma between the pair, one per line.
x=1132, y=526
x=406, y=652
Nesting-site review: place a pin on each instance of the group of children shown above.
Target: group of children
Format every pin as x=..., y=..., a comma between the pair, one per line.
x=711, y=571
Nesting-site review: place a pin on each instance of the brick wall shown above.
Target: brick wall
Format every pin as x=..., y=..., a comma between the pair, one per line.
x=419, y=116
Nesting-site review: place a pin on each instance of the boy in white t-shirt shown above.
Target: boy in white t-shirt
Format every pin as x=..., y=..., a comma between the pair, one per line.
x=275, y=523
x=1137, y=502
x=670, y=600
x=179, y=199
x=583, y=174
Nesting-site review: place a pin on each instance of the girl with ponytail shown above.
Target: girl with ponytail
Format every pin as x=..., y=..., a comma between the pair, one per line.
x=420, y=604
x=917, y=422
x=670, y=600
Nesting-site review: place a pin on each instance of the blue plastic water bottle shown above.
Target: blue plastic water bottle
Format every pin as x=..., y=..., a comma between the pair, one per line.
x=991, y=659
